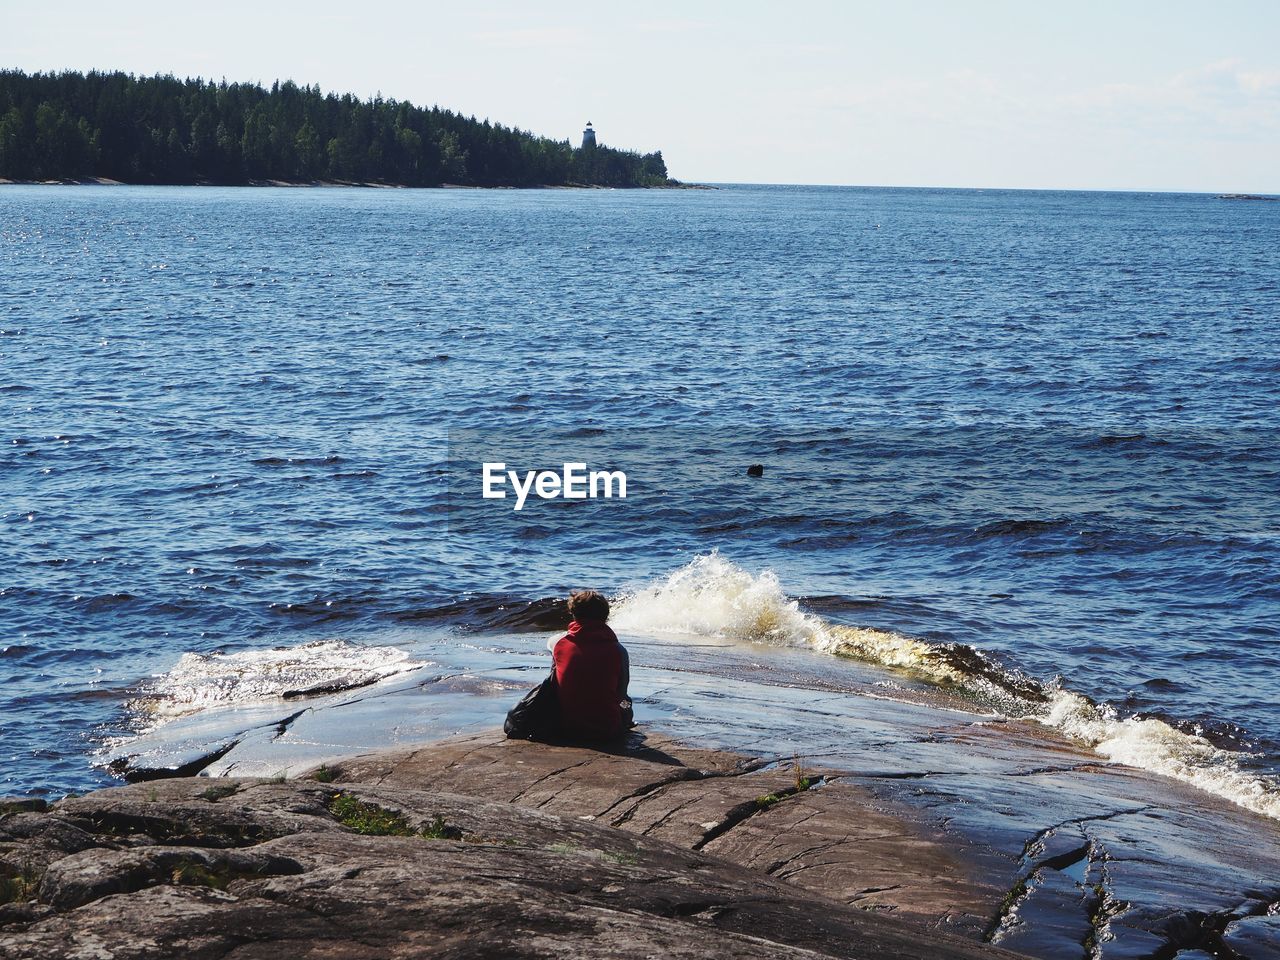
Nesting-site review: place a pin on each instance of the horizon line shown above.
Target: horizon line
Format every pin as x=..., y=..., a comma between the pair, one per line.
x=921, y=186
x=97, y=182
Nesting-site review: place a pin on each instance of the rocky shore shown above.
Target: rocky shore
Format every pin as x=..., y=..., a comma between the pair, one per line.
x=480, y=847
x=934, y=813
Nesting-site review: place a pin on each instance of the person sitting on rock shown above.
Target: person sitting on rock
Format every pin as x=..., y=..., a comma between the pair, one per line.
x=592, y=672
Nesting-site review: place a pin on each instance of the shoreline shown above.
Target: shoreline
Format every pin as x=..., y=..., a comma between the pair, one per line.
x=108, y=182
x=1034, y=842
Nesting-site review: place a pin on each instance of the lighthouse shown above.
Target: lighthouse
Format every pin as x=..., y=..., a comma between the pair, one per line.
x=588, y=136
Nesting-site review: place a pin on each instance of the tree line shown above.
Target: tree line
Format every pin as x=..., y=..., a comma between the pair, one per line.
x=58, y=126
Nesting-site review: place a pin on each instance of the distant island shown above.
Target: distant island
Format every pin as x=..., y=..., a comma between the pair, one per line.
x=1244, y=196
x=162, y=130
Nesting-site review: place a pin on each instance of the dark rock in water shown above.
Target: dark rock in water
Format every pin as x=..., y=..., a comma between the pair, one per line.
x=1253, y=936
x=257, y=868
x=339, y=685
x=127, y=769
x=755, y=470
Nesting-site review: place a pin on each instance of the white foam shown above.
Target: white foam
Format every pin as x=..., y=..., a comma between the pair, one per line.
x=713, y=597
x=1151, y=744
x=203, y=681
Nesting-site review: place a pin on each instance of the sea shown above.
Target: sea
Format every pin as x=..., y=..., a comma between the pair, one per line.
x=1017, y=445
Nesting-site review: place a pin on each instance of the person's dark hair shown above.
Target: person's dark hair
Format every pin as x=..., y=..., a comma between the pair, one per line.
x=588, y=605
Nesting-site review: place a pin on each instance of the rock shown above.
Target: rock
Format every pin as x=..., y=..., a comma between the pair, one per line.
x=20, y=804
x=833, y=839
x=94, y=874
x=991, y=853
x=1257, y=937
x=827, y=837
x=755, y=470
x=29, y=842
x=439, y=875
x=570, y=781
x=124, y=768
x=946, y=816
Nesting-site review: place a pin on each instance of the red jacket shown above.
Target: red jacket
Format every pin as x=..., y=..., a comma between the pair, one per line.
x=592, y=674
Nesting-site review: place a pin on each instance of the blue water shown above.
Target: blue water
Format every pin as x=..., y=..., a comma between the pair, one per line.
x=1039, y=424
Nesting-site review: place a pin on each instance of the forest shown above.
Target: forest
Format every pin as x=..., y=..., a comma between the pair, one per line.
x=162, y=130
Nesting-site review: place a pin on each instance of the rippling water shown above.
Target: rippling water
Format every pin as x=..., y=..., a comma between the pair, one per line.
x=1034, y=428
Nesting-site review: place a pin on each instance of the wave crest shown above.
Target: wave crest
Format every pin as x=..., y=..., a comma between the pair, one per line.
x=713, y=597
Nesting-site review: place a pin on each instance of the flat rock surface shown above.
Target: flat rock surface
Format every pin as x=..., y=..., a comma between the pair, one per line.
x=1058, y=857
x=777, y=817
x=225, y=868
x=922, y=806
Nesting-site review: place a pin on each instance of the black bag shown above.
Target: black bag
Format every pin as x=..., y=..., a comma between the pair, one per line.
x=537, y=715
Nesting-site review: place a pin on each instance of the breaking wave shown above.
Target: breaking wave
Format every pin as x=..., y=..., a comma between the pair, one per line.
x=714, y=597
x=201, y=681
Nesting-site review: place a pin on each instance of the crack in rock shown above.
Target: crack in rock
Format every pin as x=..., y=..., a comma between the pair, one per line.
x=686, y=774
x=1100, y=906
x=1103, y=908
x=863, y=894
x=283, y=726
x=664, y=818
x=641, y=792
x=547, y=776
x=748, y=809
x=1039, y=839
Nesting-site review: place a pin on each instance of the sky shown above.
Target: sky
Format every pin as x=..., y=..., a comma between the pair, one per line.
x=1119, y=95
